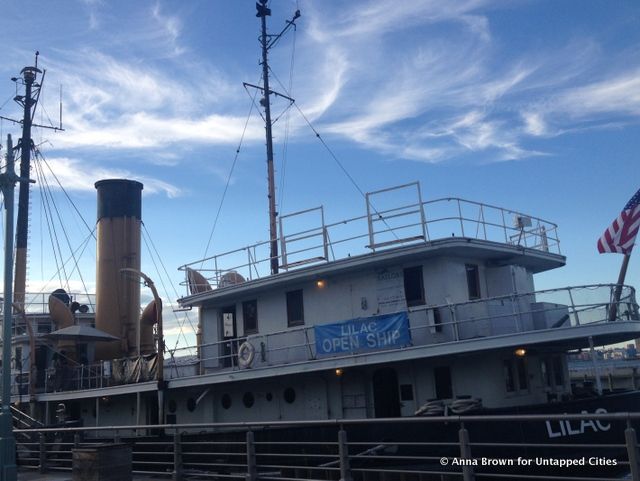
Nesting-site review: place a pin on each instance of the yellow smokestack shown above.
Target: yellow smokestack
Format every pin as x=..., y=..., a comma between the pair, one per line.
x=117, y=294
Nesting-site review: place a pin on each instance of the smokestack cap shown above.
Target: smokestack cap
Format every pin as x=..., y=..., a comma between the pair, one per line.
x=119, y=198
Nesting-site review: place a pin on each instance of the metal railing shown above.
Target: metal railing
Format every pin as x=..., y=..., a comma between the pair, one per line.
x=569, y=307
x=407, y=223
x=418, y=448
x=563, y=308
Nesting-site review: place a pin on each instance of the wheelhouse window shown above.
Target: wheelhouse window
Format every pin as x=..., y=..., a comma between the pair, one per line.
x=250, y=316
x=295, y=308
x=509, y=379
x=414, y=286
x=473, y=281
x=558, y=371
x=552, y=372
x=516, y=376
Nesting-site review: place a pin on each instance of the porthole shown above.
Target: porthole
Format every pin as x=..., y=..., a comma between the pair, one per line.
x=269, y=397
x=191, y=404
x=226, y=401
x=248, y=399
x=290, y=395
x=172, y=406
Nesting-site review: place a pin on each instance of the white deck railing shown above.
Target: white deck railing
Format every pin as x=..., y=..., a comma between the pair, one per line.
x=567, y=308
x=382, y=228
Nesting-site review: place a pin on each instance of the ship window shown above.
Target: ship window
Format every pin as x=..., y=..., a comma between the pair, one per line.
x=18, y=358
x=406, y=392
x=521, y=366
x=191, y=404
x=546, y=375
x=444, y=388
x=250, y=316
x=516, y=377
x=172, y=406
x=558, y=371
x=290, y=395
x=509, y=380
x=437, y=320
x=269, y=397
x=248, y=399
x=473, y=281
x=226, y=401
x=295, y=310
x=414, y=286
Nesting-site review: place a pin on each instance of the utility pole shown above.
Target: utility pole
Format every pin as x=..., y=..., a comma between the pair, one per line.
x=267, y=41
x=8, y=179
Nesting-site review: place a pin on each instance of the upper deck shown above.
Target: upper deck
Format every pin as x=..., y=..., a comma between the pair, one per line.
x=397, y=223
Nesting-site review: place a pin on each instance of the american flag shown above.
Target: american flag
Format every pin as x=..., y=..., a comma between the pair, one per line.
x=621, y=234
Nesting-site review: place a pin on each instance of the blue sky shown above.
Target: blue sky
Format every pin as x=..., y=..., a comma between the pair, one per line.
x=534, y=106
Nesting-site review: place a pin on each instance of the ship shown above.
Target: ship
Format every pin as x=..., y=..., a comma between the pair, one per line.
x=415, y=308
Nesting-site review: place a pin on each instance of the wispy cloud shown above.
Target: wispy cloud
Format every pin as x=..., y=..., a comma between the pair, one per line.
x=75, y=175
x=440, y=96
x=170, y=28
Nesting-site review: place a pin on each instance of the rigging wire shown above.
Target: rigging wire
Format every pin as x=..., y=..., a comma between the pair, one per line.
x=49, y=222
x=64, y=230
x=82, y=247
x=233, y=165
x=11, y=97
x=285, y=143
x=335, y=158
x=66, y=194
x=149, y=242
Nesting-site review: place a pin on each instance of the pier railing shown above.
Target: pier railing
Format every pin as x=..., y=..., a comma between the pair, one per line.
x=417, y=448
x=306, y=239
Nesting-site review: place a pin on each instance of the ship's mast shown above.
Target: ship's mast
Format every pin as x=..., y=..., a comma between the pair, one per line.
x=267, y=41
x=28, y=102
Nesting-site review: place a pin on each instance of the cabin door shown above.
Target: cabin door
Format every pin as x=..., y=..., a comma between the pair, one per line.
x=229, y=334
x=386, y=397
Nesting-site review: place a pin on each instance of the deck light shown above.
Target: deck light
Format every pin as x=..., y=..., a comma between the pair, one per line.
x=520, y=352
x=320, y=284
x=339, y=372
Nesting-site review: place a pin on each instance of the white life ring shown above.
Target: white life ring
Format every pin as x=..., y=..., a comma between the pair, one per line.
x=246, y=353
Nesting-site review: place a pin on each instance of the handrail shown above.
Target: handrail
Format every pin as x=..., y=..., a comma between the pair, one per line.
x=438, y=219
x=515, y=313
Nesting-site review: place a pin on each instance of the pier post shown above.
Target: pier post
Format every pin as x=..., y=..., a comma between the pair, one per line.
x=42, y=448
x=177, y=457
x=465, y=453
x=252, y=469
x=77, y=439
x=343, y=453
x=632, y=450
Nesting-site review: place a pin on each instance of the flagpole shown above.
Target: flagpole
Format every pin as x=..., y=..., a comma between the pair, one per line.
x=618, y=292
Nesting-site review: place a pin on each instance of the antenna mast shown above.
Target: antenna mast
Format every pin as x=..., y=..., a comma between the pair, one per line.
x=267, y=41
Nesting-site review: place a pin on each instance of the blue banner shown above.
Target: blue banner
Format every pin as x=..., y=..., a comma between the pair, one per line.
x=363, y=334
